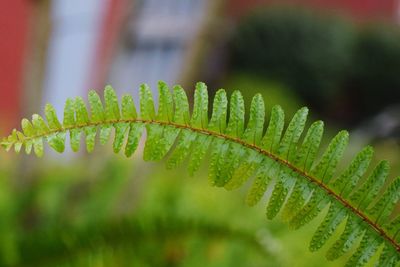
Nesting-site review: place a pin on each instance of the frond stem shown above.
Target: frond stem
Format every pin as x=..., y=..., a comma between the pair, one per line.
x=375, y=226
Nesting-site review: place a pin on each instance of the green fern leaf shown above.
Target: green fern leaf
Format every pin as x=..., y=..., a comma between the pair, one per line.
x=128, y=108
x=346, y=182
x=270, y=142
x=219, y=152
x=29, y=132
x=281, y=190
x=96, y=108
x=147, y=111
x=245, y=161
x=370, y=189
x=182, y=150
x=27, y=128
x=51, y=117
x=384, y=207
x=200, y=108
x=335, y=216
x=368, y=246
x=161, y=138
x=112, y=111
x=218, y=118
x=307, y=153
x=304, y=159
x=186, y=137
x=260, y=184
x=272, y=137
x=287, y=147
x=311, y=209
x=135, y=132
x=297, y=199
x=165, y=108
x=254, y=130
x=70, y=123
x=236, y=118
x=389, y=257
x=120, y=132
x=201, y=143
x=111, y=114
x=55, y=140
x=326, y=167
x=82, y=118
x=302, y=188
x=249, y=161
x=181, y=114
x=40, y=128
x=348, y=238
x=292, y=134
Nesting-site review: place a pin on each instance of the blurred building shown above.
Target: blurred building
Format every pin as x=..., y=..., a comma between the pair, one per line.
x=56, y=49
x=47, y=52
x=77, y=28
x=156, y=42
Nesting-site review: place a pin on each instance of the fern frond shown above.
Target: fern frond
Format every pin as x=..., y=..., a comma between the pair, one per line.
x=302, y=187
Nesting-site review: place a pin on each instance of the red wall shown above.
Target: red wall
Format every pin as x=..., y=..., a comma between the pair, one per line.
x=14, y=19
x=362, y=9
x=357, y=9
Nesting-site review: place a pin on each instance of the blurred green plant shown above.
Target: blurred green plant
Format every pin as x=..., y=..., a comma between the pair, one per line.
x=344, y=72
x=51, y=224
x=307, y=52
x=273, y=93
x=166, y=221
x=302, y=187
x=375, y=78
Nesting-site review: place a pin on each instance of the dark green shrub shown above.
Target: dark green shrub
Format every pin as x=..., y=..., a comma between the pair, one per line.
x=306, y=51
x=375, y=77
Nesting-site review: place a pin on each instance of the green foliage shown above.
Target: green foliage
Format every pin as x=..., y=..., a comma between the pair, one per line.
x=300, y=185
x=251, y=85
x=93, y=214
x=376, y=46
x=305, y=51
x=327, y=61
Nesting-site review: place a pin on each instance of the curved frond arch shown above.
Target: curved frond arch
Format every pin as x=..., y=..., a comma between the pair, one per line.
x=275, y=156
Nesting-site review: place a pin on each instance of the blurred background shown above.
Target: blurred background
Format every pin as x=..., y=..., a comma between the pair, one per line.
x=341, y=58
